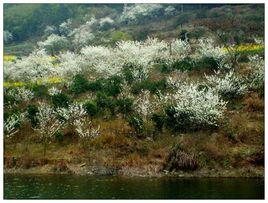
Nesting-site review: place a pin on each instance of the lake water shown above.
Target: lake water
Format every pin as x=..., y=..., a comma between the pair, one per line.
x=115, y=187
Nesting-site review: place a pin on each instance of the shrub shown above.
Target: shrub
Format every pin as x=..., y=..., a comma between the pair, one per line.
x=79, y=84
x=124, y=105
x=113, y=85
x=40, y=90
x=159, y=121
x=165, y=68
x=96, y=85
x=103, y=101
x=91, y=108
x=136, y=122
x=58, y=136
x=190, y=108
x=208, y=63
x=228, y=86
x=179, y=160
x=60, y=100
x=148, y=85
x=32, y=111
x=185, y=64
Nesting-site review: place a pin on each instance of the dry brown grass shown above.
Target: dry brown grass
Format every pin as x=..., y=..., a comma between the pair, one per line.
x=254, y=103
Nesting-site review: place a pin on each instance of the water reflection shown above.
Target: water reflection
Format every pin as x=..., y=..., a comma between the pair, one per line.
x=90, y=187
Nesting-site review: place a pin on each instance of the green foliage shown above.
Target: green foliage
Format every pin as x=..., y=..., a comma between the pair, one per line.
x=178, y=122
x=58, y=136
x=96, y=85
x=40, y=91
x=103, y=101
x=152, y=86
x=32, y=111
x=124, y=105
x=79, y=84
x=111, y=86
x=208, y=63
x=120, y=36
x=60, y=100
x=186, y=64
x=137, y=123
x=159, y=121
x=91, y=108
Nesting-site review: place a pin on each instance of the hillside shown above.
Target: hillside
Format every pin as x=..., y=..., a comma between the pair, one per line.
x=144, y=90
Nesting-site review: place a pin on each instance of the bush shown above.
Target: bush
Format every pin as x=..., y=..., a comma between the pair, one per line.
x=113, y=85
x=153, y=87
x=128, y=74
x=228, y=86
x=110, y=86
x=32, y=111
x=179, y=160
x=39, y=90
x=208, y=63
x=159, y=121
x=60, y=100
x=191, y=108
x=91, y=108
x=96, y=85
x=79, y=84
x=185, y=64
x=103, y=101
x=58, y=136
x=179, y=121
x=124, y=105
x=137, y=123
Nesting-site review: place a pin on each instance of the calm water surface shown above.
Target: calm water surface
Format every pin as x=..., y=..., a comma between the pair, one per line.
x=114, y=187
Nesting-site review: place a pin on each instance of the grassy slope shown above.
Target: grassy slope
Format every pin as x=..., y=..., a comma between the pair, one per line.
x=236, y=148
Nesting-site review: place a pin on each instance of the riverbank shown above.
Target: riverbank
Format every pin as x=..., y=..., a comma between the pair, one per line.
x=250, y=172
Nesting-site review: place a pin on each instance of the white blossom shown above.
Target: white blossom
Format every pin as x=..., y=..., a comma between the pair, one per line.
x=21, y=94
x=229, y=85
x=53, y=43
x=8, y=37
x=54, y=91
x=10, y=125
x=85, y=129
x=136, y=12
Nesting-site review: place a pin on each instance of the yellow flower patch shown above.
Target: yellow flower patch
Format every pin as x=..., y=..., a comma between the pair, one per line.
x=9, y=58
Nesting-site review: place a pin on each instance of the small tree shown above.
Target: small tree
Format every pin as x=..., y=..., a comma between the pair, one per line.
x=54, y=43
x=48, y=124
x=8, y=37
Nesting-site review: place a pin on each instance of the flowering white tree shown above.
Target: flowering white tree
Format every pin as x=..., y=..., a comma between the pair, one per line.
x=10, y=125
x=33, y=67
x=71, y=114
x=190, y=105
x=53, y=91
x=170, y=11
x=136, y=12
x=83, y=34
x=207, y=48
x=54, y=43
x=8, y=37
x=49, y=30
x=106, y=23
x=20, y=94
x=69, y=64
x=48, y=124
x=256, y=77
x=228, y=85
x=65, y=27
x=86, y=130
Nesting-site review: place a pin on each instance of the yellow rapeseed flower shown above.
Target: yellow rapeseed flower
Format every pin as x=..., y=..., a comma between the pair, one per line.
x=9, y=58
